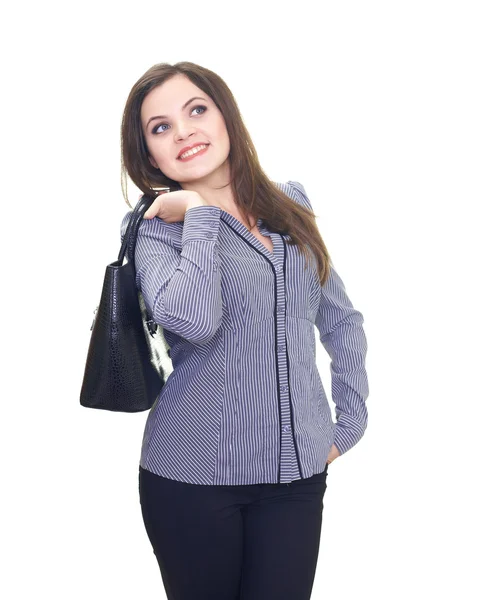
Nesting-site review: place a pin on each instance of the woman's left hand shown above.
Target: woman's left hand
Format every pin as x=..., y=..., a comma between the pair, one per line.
x=334, y=453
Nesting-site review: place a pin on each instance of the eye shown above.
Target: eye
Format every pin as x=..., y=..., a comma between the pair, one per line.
x=195, y=108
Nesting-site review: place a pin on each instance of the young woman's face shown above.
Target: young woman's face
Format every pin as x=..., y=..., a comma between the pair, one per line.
x=177, y=127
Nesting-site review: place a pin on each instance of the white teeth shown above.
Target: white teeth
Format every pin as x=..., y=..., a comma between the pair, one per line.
x=194, y=151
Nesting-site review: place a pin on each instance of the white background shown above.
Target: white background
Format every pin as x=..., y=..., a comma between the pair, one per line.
x=382, y=110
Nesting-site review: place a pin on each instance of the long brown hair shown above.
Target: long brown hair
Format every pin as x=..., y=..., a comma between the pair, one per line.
x=254, y=193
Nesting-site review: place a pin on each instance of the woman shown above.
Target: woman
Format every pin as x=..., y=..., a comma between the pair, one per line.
x=236, y=448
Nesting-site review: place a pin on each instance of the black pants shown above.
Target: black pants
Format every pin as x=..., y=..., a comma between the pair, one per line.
x=239, y=542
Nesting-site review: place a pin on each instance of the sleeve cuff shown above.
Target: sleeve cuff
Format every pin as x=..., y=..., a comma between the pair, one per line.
x=201, y=223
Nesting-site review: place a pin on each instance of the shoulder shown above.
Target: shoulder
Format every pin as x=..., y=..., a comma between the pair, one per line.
x=296, y=191
x=156, y=228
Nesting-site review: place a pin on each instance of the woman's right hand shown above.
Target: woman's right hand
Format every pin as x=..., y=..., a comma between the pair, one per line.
x=172, y=206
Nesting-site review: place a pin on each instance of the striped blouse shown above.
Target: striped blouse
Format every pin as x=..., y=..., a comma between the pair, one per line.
x=244, y=403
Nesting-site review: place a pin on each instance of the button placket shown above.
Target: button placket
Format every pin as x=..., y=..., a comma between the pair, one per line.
x=289, y=450
x=210, y=235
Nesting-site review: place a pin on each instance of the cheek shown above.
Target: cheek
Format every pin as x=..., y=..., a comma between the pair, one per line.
x=221, y=130
x=164, y=162
x=223, y=137
x=225, y=133
x=164, y=158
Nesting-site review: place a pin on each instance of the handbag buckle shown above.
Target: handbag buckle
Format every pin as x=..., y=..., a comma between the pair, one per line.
x=151, y=326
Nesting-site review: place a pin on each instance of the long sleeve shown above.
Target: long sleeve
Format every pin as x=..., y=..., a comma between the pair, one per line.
x=343, y=337
x=181, y=289
x=341, y=332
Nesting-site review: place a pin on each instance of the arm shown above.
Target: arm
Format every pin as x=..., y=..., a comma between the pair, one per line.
x=342, y=335
x=181, y=290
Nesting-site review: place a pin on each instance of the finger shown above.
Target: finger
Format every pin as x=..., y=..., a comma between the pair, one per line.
x=153, y=209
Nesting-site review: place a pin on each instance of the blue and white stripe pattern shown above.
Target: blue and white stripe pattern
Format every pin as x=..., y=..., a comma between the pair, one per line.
x=244, y=403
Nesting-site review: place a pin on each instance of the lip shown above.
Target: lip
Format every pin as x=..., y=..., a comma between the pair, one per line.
x=186, y=148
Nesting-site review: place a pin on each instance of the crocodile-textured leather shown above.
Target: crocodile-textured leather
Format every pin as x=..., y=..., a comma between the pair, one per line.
x=128, y=358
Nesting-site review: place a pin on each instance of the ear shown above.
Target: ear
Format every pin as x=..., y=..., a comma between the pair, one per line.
x=152, y=162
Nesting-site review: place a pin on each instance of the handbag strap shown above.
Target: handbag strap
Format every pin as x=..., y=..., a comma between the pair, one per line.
x=130, y=238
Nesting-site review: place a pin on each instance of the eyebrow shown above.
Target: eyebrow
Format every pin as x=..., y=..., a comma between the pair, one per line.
x=182, y=108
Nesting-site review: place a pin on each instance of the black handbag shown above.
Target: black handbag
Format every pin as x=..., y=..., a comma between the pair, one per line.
x=128, y=360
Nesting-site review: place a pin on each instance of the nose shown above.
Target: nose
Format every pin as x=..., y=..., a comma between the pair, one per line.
x=183, y=132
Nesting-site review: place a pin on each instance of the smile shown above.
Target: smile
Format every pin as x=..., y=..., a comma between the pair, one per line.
x=198, y=151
